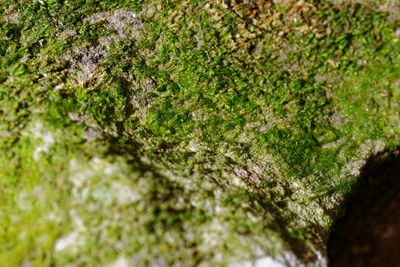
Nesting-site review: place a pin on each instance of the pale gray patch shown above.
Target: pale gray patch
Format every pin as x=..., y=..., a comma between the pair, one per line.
x=91, y=134
x=11, y=15
x=5, y=134
x=67, y=33
x=338, y=120
x=158, y=262
x=13, y=18
x=92, y=131
x=199, y=42
x=87, y=61
x=126, y=23
x=397, y=32
x=26, y=263
x=121, y=262
x=245, y=175
x=260, y=262
x=283, y=58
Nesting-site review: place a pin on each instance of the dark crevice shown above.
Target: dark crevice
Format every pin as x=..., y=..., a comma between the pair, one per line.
x=368, y=232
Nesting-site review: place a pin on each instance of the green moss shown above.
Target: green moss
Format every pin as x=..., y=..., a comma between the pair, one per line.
x=235, y=130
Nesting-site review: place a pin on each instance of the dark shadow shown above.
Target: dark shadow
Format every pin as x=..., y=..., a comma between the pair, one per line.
x=368, y=233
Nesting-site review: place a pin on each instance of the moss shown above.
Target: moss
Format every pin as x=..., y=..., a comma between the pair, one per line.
x=238, y=127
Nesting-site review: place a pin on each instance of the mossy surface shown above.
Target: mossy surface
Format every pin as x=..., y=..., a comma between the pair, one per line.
x=187, y=133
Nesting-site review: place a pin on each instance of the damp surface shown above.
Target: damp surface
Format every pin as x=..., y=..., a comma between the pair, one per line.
x=369, y=232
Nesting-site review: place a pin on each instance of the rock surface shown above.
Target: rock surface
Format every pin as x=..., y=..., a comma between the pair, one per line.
x=188, y=133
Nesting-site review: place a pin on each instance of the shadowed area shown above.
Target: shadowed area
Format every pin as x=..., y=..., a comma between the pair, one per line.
x=369, y=232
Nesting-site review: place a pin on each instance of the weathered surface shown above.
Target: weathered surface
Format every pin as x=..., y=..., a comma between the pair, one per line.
x=206, y=133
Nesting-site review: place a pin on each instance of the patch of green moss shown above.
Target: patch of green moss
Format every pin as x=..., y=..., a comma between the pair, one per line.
x=239, y=125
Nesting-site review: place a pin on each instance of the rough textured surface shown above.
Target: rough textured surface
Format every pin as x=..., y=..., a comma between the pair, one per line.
x=188, y=133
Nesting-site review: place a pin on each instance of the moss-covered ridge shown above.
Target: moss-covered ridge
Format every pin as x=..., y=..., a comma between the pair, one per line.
x=187, y=133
